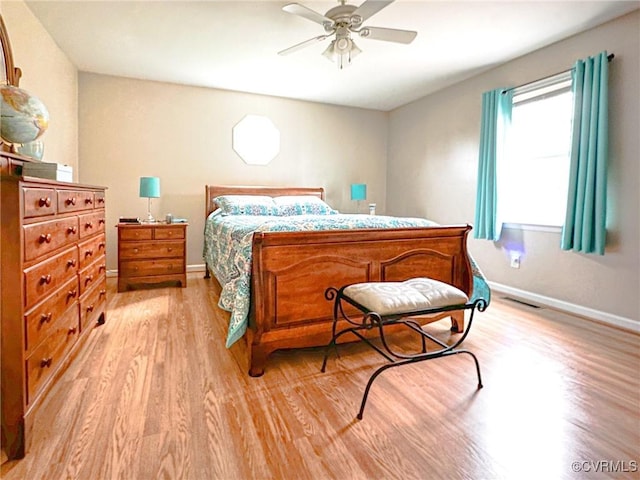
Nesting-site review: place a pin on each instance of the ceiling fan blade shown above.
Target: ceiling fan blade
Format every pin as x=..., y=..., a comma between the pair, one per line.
x=302, y=11
x=301, y=45
x=388, y=34
x=370, y=8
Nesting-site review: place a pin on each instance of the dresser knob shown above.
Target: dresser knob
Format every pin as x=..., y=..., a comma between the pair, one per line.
x=71, y=263
x=45, y=317
x=72, y=330
x=101, y=200
x=90, y=308
x=88, y=253
x=45, y=362
x=101, y=221
x=103, y=292
x=72, y=230
x=88, y=201
x=101, y=245
x=45, y=202
x=135, y=250
x=45, y=279
x=88, y=279
x=71, y=201
x=102, y=268
x=72, y=293
x=88, y=225
x=45, y=238
x=169, y=249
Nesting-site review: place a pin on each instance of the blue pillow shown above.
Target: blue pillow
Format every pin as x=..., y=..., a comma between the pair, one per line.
x=302, y=205
x=247, y=205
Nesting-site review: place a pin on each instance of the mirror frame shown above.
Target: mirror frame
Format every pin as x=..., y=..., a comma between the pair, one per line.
x=11, y=74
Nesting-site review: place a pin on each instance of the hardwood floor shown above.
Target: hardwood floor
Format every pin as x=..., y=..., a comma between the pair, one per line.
x=155, y=394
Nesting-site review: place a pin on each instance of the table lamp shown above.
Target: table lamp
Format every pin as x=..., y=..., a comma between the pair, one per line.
x=149, y=188
x=358, y=193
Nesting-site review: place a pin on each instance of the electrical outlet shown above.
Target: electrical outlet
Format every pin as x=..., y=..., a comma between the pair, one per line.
x=515, y=260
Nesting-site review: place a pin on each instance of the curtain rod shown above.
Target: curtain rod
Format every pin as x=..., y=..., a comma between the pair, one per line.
x=610, y=57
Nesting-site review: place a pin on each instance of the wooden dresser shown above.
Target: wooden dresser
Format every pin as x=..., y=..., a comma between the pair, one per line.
x=151, y=253
x=52, y=284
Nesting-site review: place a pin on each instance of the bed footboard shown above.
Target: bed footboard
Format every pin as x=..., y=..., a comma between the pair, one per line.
x=292, y=270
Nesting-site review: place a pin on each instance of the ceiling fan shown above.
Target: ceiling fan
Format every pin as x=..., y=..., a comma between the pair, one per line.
x=341, y=22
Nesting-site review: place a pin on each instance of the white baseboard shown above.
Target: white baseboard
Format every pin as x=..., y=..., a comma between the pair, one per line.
x=579, y=310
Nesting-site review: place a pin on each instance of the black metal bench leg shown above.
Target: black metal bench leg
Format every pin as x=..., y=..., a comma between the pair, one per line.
x=475, y=359
x=369, y=383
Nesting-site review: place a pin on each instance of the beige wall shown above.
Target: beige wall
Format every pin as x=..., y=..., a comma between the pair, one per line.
x=133, y=128
x=48, y=74
x=432, y=167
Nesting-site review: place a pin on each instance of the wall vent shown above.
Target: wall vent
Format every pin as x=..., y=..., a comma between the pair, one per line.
x=521, y=302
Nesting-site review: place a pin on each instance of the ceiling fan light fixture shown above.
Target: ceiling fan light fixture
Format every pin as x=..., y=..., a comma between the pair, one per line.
x=342, y=51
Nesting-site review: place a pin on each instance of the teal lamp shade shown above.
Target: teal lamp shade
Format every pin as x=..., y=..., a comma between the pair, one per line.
x=358, y=191
x=150, y=187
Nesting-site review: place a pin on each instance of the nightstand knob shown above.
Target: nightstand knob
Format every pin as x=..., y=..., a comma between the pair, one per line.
x=72, y=229
x=90, y=308
x=72, y=293
x=45, y=279
x=45, y=237
x=45, y=362
x=135, y=250
x=72, y=330
x=45, y=202
x=45, y=317
x=169, y=249
x=71, y=263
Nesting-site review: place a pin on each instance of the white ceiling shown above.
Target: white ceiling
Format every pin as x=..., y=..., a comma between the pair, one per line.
x=233, y=44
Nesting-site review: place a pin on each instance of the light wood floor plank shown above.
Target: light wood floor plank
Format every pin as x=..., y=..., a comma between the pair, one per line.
x=155, y=394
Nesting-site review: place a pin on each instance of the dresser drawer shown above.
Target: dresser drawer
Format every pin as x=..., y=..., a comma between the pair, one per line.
x=91, y=249
x=42, y=238
x=141, y=268
x=46, y=359
x=40, y=320
x=39, y=202
x=92, y=274
x=45, y=278
x=165, y=249
x=74, y=201
x=93, y=303
x=167, y=233
x=99, y=200
x=136, y=233
x=92, y=223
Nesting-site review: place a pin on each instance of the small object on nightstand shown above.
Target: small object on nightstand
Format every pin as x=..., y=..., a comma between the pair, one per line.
x=372, y=209
x=180, y=220
x=168, y=218
x=129, y=220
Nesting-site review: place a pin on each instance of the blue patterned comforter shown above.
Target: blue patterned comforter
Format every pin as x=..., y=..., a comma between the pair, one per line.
x=228, y=244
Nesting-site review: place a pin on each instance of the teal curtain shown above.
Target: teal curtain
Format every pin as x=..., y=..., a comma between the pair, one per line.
x=585, y=223
x=496, y=117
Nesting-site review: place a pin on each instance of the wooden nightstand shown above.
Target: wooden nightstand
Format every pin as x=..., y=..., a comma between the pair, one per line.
x=151, y=253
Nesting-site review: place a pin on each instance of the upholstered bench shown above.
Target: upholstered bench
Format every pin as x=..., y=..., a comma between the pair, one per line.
x=395, y=303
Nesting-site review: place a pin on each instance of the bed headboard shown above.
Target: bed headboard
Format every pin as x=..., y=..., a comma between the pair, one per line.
x=213, y=191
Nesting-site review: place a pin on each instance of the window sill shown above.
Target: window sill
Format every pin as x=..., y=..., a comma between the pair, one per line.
x=533, y=228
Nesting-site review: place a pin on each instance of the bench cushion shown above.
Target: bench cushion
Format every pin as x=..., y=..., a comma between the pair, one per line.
x=414, y=295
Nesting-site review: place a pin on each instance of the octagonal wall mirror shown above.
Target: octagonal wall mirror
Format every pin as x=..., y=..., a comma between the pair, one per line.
x=256, y=140
x=9, y=74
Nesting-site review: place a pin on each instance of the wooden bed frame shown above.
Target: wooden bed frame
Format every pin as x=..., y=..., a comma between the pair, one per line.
x=292, y=270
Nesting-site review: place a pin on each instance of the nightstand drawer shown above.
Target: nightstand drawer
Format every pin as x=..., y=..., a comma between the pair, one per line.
x=165, y=249
x=142, y=268
x=136, y=233
x=167, y=233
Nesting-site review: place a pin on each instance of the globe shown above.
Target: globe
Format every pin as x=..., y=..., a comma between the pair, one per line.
x=23, y=117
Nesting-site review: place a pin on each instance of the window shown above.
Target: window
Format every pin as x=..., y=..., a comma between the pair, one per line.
x=534, y=175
